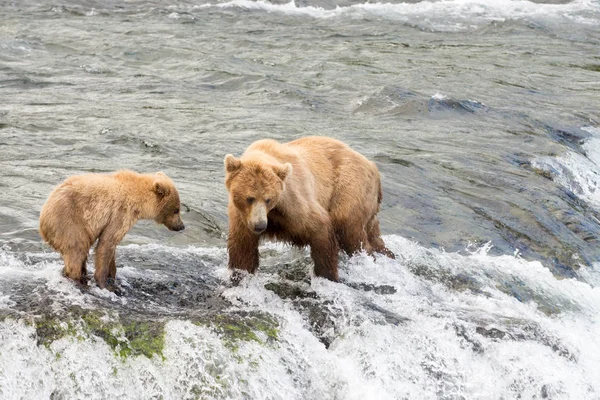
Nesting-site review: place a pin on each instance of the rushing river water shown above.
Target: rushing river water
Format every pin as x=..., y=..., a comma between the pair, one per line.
x=483, y=117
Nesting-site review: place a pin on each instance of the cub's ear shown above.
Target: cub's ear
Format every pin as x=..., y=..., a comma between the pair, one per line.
x=232, y=164
x=160, y=173
x=160, y=188
x=283, y=171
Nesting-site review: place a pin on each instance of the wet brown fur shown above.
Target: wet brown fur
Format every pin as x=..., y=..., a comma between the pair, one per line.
x=327, y=198
x=104, y=207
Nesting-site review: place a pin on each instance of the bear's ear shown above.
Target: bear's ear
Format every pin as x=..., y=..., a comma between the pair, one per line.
x=160, y=188
x=232, y=164
x=160, y=173
x=283, y=171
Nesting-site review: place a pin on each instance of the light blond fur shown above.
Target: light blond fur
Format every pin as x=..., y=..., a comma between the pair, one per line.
x=328, y=195
x=104, y=207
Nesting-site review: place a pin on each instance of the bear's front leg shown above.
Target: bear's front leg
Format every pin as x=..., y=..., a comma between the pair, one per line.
x=112, y=271
x=324, y=251
x=242, y=246
x=105, y=252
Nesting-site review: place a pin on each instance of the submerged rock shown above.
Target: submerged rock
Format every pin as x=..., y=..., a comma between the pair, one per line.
x=127, y=337
x=242, y=326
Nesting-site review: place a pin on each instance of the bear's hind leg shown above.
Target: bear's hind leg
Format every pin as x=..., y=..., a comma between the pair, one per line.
x=324, y=250
x=75, y=264
x=353, y=237
x=73, y=242
x=374, y=236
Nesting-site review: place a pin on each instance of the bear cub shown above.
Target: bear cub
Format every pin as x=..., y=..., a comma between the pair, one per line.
x=314, y=191
x=103, y=207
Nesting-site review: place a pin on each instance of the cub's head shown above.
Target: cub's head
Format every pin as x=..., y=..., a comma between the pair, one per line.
x=168, y=207
x=254, y=188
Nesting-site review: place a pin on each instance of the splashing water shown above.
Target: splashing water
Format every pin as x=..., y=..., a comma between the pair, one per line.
x=472, y=110
x=428, y=325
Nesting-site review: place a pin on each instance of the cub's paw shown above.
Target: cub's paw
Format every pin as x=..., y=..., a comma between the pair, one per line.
x=113, y=286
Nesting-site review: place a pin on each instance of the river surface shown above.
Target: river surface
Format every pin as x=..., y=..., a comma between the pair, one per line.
x=483, y=117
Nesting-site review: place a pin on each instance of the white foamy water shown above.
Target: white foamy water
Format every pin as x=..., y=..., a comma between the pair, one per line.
x=579, y=173
x=102, y=85
x=449, y=15
x=446, y=326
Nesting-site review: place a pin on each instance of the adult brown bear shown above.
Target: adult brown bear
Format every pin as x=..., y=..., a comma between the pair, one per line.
x=313, y=191
x=104, y=206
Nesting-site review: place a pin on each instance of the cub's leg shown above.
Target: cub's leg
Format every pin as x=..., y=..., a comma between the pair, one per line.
x=112, y=271
x=70, y=238
x=75, y=261
x=105, y=252
x=74, y=247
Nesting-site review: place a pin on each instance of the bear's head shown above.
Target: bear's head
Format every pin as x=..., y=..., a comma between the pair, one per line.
x=168, y=207
x=255, y=187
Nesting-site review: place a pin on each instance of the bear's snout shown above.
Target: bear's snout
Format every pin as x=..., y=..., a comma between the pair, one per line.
x=260, y=227
x=258, y=218
x=177, y=228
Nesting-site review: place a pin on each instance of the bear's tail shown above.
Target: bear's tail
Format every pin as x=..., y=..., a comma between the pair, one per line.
x=43, y=230
x=43, y=234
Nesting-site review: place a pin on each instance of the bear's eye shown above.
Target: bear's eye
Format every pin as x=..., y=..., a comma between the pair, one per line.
x=267, y=201
x=250, y=200
x=176, y=211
